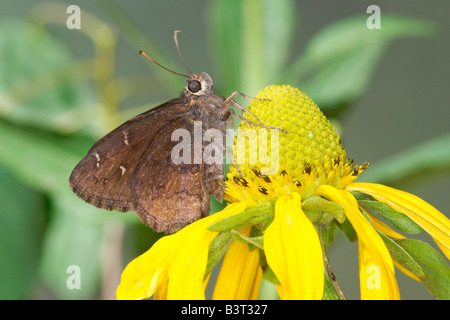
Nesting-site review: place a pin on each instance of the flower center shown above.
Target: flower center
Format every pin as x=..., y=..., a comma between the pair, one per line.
x=308, y=155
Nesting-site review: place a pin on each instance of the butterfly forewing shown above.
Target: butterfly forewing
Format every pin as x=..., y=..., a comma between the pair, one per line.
x=130, y=169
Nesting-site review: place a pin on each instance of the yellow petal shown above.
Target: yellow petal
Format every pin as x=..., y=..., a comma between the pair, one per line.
x=422, y=213
x=188, y=267
x=376, y=269
x=293, y=251
x=161, y=289
x=147, y=273
x=240, y=274
x=174, y=266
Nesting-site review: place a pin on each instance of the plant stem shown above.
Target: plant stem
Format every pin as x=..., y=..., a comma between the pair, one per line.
x=323, y=235
x=252, y=44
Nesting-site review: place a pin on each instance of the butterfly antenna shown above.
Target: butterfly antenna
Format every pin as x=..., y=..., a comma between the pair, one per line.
x=151, y=59
x=175, y=36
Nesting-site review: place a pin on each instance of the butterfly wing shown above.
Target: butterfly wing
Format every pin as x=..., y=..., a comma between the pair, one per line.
x=130, y=169
x=169, y=196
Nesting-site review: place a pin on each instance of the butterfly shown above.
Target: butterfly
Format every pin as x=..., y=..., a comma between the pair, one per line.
x=132, y=167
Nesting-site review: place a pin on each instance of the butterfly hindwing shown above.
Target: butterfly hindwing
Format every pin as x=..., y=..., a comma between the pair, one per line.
x=170, y=196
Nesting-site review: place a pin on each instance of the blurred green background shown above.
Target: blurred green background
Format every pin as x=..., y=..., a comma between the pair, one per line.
x=60, y=90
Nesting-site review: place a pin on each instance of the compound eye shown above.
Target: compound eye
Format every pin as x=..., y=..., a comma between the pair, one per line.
x=194, y=86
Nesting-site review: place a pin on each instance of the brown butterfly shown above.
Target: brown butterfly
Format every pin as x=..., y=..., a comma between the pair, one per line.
x=131, y=169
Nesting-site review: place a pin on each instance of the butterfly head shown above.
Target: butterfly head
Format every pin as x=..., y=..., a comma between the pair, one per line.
x=199, y=85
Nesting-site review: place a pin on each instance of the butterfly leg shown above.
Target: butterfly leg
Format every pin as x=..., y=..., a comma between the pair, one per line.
x=230, y=154
x=230, y=100
x=231, y=111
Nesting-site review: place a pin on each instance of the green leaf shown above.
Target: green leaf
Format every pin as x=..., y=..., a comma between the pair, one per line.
x=242, y=219
x=402, y=256
x=399, y=220
x=339, y=61
x=316, y=208
x=217, y=250
x=40, y=81
x=348, y=230
x=255, y=241
x=21, y=227
x=429, y=156
x=269, y=275
x=326, y=235
x=435, y=267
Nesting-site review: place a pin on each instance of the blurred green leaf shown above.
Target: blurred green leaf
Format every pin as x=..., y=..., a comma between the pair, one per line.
x=339, y=61
x=21, y=228
x=45, y=160
x=250, y=42
x=40, y=82
x=429, y=156
x=435, y=268
x=73, y=238
x=40, y=159
x=135, y=35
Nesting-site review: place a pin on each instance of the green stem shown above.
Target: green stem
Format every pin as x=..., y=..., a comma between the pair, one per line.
x=332, y=288
x=251, y=45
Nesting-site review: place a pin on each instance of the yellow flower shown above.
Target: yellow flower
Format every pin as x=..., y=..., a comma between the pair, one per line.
x=278, y=224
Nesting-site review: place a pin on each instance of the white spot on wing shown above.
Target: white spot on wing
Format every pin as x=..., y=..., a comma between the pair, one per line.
x=123, y=169
x=97, y=156
x=125, y=138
